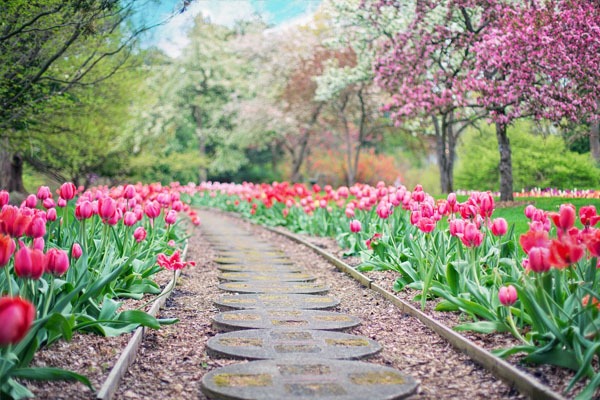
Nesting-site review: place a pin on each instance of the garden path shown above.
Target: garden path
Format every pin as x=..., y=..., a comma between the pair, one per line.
x=174, y=360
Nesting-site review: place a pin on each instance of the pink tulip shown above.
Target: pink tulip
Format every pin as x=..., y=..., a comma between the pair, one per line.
x=472, y=236
x=29, y=263
x=171, y=217
x=48, y=203
x=76, y=251
x=539, y=259
x=36, y=228
x=129, y=192
x=426, y=224
x=499, y=227
x=51, y=214
x=565, y=218
x=152, y=209
x=31, y=201
x=62, y=202
x=107, y=207
x=16, y=315
x=44, y=193
x=58, y=262
x=129, y=218
x=139, y=234
x=507, y=295
x=84, y=210
x=67, y=191
x=355, y=226
x=39, y=244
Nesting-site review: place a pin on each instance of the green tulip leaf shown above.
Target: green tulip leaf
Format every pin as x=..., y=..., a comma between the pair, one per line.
x=50, y=374
x=482, y=327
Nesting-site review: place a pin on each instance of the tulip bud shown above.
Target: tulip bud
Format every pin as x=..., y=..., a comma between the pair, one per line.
x=171, y=217
x=48, y=203
x=84, y=210
x=129, y=192
x=4, y=198
x=43, y=193
x=29, y=263
x=106, y=208
x=7, y=248
x=37, y=227
x=507, y=295
x=17, y=316
x=539, y=259
x=39, y=243
x=58, y=261
x=499, y=227
x=355, y=226
x=51, y=214
x=62, y=202
x=139, y=234
x=31, y=201
x=76, y=251
x=129, y=218
x=152, y=209
x=67, y=191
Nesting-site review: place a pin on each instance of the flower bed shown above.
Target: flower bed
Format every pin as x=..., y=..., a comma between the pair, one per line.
x=76, y=260
x=541, y=287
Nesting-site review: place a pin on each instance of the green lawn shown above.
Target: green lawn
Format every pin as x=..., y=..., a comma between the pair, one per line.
x=516, y=215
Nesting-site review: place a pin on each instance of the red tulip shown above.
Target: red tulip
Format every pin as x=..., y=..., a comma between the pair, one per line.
x=58, y=261
x=565, y=218
x=426, y=224
x=67, y=191
x=174, y=262
x=592, y=242
x=355, y=226
x=76, y=251
x=4, y=198
x=499, y=227
x=534, y=238
x=17, y=316
x=7, y=248
x=588, y=216
x=565, y=252
x=507, y=295
x=29, y=263
x=20, y=225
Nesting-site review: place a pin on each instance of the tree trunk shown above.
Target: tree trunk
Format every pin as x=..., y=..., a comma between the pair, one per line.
x=595, y=141
x=298, y=158
x=445, y=154
x=11, y=170
x=506, y=178
x=202, y=170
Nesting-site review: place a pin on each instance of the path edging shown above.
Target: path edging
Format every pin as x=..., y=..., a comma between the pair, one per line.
x=127, y=357
x=498, y=367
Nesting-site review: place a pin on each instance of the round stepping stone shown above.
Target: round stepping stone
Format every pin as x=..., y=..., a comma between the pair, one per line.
x=259, y=267
x=274, y=287
x=258, y=344
x=283, y=318
x=302, y=301
x=253, y=260
x=307, y=379
x=266, y=277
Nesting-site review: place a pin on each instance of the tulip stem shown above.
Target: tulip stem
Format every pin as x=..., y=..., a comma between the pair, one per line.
x=8, y=280
x=513, y=328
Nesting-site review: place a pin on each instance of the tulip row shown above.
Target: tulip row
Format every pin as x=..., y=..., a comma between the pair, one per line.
x=543, y=287
x=76, y=259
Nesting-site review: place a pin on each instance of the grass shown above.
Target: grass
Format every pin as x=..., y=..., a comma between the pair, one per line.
x=516, y=214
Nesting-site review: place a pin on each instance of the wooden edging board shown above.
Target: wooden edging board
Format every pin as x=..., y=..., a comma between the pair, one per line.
x=127, y=357
x=500, y=368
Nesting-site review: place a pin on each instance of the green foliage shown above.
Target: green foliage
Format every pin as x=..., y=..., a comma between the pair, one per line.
x=537, y=161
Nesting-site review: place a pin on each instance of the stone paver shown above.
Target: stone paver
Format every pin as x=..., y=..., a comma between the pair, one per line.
x=307, y=379
x=274, y=287
x=266, y=277
x=277, y=300
x=256, y=344
x=283, y=318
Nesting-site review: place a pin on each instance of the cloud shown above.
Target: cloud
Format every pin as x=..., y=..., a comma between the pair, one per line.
x=172, y=37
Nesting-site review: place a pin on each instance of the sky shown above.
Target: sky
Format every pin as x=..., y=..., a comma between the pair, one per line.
x=172, y=37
